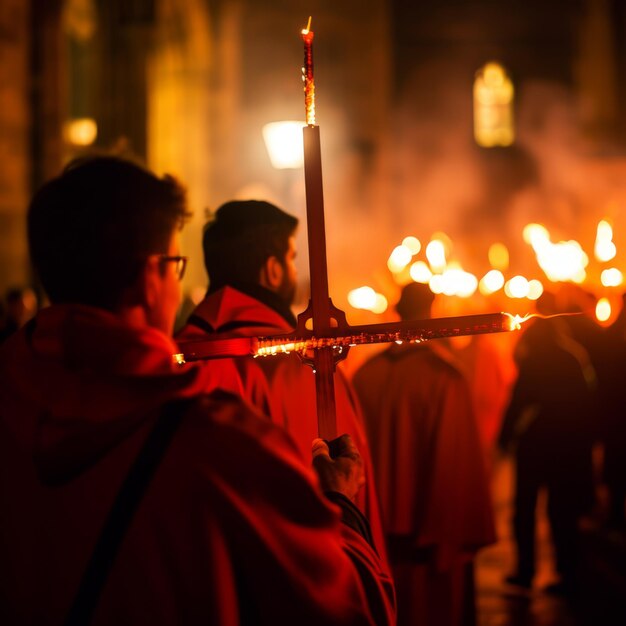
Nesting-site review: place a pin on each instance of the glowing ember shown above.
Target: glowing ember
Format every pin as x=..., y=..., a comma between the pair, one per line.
x=307, y=74
x=516, y=321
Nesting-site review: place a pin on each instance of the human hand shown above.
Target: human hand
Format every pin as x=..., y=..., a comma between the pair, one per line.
x=343, y=472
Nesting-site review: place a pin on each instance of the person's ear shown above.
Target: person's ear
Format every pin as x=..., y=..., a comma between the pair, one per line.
x=271, y=274
x=149, y=283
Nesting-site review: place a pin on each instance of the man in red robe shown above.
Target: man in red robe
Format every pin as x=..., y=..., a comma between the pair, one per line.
x=249, y=252
x=429, y=467
x=130, y=495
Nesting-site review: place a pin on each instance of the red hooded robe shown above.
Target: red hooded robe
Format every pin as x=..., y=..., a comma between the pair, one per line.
x=233, y=528
x=291, y=384
x=431, y=477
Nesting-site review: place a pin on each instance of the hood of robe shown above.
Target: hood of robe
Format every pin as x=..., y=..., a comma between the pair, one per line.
x=77, y=379
x=230, y=310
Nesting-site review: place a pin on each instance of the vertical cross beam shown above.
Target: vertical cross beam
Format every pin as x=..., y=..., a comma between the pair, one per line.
x=319, y=310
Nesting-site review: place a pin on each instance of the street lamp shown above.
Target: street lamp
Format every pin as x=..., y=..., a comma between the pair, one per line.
x=284, y=144
x=283, y=141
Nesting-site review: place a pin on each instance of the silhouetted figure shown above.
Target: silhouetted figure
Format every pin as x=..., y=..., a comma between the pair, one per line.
x=129, y=494
x=613, y=425
x=548, y=425
x=429, y=467
x=597, y=341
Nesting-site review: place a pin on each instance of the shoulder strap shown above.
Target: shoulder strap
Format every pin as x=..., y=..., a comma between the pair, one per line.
x=121, y=514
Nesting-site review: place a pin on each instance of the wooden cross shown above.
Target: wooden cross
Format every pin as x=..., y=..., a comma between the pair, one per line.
x=320, y=311
x=323, y=335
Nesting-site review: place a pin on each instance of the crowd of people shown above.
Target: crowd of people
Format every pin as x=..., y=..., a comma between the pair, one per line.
x=137, y=490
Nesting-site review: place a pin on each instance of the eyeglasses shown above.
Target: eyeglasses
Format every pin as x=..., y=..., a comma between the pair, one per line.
x=181, y=263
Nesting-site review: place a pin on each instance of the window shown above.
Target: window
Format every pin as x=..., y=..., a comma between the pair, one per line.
x=493, y=107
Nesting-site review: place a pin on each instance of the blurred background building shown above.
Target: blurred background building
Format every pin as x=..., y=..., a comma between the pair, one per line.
x=459, y=121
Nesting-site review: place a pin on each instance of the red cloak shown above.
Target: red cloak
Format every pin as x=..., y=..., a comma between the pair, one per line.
x=233, y=528
x=431, y=476
x=291, y=385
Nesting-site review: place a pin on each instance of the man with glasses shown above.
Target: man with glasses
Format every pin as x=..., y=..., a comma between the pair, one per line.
x=128, y=494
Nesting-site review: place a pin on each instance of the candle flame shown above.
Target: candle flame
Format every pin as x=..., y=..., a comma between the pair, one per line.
x=306, y=30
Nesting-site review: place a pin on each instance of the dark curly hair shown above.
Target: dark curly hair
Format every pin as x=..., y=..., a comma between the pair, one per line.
x=91, y=229
x=241, y=237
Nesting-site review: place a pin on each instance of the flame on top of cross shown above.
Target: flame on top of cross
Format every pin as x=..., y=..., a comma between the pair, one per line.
x=307, y=74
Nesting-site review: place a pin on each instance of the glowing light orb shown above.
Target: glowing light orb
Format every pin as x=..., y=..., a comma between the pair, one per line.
x=611, y=277
x=380, y=304
x=81, y=131
x=399, y=258
x=535, y=289
x=283, y=141
x=604, y=248
x=457, y=282
x=517, y=287
x=603, y=310
x=420, y=272
x=563, y=261
x=413, y=244
x=436, y=283
x=498, y=256
x=491, y=282
x=362, y=298
x=535, y=234
x=436, y=255
x=367, y=299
